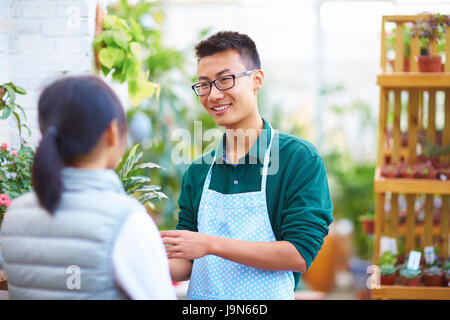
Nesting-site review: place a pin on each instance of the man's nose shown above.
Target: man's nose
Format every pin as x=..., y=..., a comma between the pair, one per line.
x=215, y=93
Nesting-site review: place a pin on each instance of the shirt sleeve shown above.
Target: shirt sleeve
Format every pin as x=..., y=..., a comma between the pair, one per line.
x=140, y=261
x=308, y=210
x=187, y=215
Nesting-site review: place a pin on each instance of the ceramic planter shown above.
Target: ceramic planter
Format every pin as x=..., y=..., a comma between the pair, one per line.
x=407, y=172
x=429, y=63
x=410, y=282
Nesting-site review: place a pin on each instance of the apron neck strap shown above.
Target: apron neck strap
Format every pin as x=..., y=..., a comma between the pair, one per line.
x=264, y=169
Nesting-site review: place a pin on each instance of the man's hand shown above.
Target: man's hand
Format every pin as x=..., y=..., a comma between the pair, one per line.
x=185, y=244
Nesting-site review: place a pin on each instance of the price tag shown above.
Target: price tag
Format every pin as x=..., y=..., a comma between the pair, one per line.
x=430, y=256
x=414, y=260
x=388, y=244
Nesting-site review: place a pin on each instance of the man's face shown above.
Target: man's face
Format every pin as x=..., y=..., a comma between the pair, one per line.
x=240, y=100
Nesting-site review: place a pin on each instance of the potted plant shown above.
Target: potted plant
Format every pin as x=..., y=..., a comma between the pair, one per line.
x=429, y=30
x=433, y=276
x=426, y=171
x=390, y=41
x=367, y=223
x=410, y=277
x=407, y=171
x=389, y=171
x=388, y=274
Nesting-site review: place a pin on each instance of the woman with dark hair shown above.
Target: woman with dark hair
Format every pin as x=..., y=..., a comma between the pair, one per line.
x=78, y=235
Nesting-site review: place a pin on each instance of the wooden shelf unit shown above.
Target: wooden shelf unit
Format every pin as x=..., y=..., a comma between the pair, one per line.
x=394, y=87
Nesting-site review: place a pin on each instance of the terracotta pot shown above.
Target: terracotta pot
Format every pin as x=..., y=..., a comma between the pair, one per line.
x=368, y=225
x=389, y=171
x=429, y=63
x=405, y=173
x=410, y=282
x=387, y=280
x=445, y=172
x=433, y=280
x=429, y=174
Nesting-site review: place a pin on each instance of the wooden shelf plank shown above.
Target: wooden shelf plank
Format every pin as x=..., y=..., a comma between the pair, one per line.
x=410, y=186
x=414, y=79
x=410, y=293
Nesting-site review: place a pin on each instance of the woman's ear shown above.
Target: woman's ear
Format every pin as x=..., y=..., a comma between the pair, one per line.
x=258, y=80
x=112, y=133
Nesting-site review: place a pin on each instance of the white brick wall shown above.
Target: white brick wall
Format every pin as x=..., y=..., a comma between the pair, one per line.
x=40, y=41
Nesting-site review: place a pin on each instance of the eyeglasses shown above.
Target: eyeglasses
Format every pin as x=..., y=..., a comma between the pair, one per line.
x=222, y=83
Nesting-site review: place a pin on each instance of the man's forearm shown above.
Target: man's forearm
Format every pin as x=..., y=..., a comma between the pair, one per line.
x=278, y=255
x=180, y=269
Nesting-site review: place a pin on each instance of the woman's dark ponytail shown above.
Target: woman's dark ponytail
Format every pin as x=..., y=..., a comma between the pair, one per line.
x=74, y=112
x=46, y=174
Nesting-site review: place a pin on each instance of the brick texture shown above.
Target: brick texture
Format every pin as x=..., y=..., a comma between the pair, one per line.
x=41, y=40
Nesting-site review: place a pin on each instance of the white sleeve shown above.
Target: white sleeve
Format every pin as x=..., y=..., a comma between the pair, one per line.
x=140, y=261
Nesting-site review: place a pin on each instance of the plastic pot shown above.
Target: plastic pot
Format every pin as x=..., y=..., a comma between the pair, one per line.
x=387, y=280
x=433, y=280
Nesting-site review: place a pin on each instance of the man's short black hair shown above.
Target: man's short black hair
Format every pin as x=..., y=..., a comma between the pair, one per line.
x=226, y=40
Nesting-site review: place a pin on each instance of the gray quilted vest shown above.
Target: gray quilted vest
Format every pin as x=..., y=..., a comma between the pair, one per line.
x=67, y=255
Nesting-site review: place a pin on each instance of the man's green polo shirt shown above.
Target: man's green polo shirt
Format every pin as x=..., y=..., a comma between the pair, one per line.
x=297, y=193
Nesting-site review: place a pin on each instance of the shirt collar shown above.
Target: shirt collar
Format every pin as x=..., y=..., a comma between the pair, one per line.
x=256, y=152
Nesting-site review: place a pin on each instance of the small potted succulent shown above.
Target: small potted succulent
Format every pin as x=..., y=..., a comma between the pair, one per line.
x=429, y=30
x=388, y=274
x=367, y=223
x=433, y=276
x=389, y=171
x=410, y=277
x=426, y=171
x=407, y=171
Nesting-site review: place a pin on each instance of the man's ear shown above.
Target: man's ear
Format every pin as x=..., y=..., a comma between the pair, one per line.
x=258, y=80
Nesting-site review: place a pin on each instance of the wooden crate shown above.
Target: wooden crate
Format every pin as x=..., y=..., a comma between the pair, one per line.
x=421, y=116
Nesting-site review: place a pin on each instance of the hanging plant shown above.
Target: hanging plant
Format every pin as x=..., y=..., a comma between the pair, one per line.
x=118, y=50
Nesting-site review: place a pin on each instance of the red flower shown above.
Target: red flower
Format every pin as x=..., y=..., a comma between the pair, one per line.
x=14, y=153
x=5, y=200
x=4, y=146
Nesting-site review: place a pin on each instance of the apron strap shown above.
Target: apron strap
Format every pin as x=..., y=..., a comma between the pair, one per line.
x=265, y=167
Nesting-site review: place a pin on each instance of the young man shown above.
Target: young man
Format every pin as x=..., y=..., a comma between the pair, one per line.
x=246, y=230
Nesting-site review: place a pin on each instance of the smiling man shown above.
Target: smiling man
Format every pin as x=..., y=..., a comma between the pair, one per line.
x=247, y=229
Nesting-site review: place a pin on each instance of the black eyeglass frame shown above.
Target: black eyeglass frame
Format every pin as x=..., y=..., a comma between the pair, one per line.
x=234, y=76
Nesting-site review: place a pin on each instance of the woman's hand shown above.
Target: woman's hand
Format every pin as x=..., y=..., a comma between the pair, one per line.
x=183, y=244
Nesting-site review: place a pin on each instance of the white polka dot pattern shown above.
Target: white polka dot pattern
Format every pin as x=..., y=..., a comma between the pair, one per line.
x=242, y=216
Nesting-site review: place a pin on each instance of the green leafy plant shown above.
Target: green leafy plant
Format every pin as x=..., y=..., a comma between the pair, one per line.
x=432, y=150
x=387, y=269
x=430, y=29
x=388, y=258
x=8, y=105
x=120, y=51
x=15, y=174
x=135, y=183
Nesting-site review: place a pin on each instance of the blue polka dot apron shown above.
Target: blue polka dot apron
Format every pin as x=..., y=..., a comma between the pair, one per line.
x=242, y=216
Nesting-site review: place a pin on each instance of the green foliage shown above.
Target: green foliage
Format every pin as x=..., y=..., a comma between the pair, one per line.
x=431, y=150
x=120, y=51
x=388, y=258
x=135, y=183
x=387, y=269
x=390, y=39
x=8, y=105
x=410, y=274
